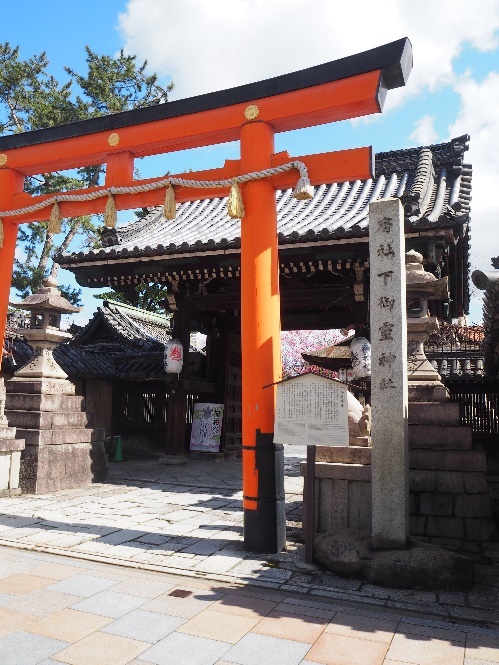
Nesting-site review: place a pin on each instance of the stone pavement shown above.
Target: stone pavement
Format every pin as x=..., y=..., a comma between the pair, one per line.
x=187, y=520
x=59, y=610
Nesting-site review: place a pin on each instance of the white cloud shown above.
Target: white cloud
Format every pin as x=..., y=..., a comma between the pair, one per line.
x=206, y=45
x=424, y=131
x=20, y=254
x=478, y=117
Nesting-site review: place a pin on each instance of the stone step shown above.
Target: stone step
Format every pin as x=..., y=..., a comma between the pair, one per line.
x=343, y=454
x=37, y=386
x=427, y=392
x=9, y=445
x=448, y=460
x=43, y=437
x=437, y=437
x=434, y=413
x=39, y=402
x=46, y=419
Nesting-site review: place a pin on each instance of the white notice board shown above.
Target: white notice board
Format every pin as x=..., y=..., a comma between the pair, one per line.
x=311, y=410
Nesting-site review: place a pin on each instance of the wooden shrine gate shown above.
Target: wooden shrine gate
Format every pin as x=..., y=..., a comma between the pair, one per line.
x=347, y=88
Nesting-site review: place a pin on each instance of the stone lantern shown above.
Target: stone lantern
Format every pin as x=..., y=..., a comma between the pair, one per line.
x=46, y=307
x=61, y=451
x=421, y=286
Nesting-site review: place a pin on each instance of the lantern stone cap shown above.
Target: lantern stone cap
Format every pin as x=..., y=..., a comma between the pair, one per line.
x=47, y=298
x=418, y=280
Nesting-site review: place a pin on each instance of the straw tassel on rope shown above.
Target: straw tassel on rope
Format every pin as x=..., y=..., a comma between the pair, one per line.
x=110, y=212
x=169, y=208
x=236, y=206
x=1, y=233
x=55, y=220
x=303, y=190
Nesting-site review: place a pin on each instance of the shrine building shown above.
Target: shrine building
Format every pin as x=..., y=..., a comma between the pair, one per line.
x=323, y=262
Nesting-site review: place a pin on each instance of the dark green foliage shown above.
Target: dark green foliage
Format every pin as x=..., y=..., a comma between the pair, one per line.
x=30, y=99
x=145, y=296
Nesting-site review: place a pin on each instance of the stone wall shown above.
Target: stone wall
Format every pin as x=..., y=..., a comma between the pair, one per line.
x=448, y=493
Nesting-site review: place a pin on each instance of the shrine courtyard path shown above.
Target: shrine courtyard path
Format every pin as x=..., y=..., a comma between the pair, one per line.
x=185, y=523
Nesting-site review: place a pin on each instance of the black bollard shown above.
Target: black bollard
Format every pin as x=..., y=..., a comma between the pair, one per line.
x=265, y=527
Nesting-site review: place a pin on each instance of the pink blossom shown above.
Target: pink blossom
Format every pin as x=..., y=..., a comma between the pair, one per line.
x=296, y=342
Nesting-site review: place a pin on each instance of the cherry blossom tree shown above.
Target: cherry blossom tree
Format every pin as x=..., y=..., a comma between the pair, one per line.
x=296, y=342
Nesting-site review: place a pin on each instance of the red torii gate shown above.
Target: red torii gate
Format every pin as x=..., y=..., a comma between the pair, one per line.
x=350, y=87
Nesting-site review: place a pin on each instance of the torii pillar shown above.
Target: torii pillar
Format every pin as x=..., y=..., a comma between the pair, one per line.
x=338, y=90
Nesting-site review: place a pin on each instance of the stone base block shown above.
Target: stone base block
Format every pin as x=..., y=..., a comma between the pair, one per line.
x=46, y=419
x=67, y=466
x=435, y=437
x=448, y=460
x=349, y=552
x=7, y=433
x=360, y=472
x=38, y=386
x=343, y=454
x=433, y=391
x=40, y=402
x=9, y=492
x=8, y=445
x=44, y=437
x=434, y=413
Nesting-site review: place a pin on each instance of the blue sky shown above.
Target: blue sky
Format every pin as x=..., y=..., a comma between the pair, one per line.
x=206, y=45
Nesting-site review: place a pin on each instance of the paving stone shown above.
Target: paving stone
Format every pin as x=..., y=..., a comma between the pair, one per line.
x=82, y=585
x=102, y=649
x=145, y=626
x=332, y=649
x=5, y=598
x=27, y=649
x=153, y=539
x=420, y=649
x=186, y=607
x=448, y=634
x=220, y=626
x=109, y=604
x=144, y=587
x=249, y=606
x=206, y=547
x=185, y=650
x=303, y=610
x=291, y=626
x=369, y=628
x=11, y=621
x=219, y=563
x=257, y=649
x=42, y=602
x=8, y=568
x=68, y=625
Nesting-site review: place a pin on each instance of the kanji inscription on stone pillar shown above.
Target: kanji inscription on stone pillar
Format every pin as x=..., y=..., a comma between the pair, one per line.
x=390, y=460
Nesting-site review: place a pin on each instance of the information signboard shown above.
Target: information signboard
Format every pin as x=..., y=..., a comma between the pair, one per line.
x=311, y=410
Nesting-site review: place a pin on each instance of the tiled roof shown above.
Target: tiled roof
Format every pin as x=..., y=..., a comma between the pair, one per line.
x=127, y=323
x=119, y=342
x=116, y=335
x=16, y=351
x=432, y=182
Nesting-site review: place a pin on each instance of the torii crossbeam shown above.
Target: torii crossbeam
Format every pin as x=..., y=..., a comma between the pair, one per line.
x=347, y=88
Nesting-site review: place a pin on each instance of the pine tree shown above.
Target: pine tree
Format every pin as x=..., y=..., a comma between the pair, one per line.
x=30, y=99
